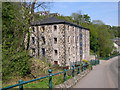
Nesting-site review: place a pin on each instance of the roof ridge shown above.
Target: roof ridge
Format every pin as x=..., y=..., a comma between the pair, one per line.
x=54, y=20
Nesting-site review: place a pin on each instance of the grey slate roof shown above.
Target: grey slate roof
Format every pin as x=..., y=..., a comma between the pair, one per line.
x=54, y=20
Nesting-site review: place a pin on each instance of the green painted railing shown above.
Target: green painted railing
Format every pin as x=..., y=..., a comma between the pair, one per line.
x=107, y=58
x=83, y=67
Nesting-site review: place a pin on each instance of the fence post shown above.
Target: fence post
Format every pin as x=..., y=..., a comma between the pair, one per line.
x=21, y=86
x=50, y=79
x=78, y=70
x=64, y=74
x=73, y=71
x=83, y=67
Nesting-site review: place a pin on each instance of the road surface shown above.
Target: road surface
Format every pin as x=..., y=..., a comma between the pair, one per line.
x=104, y=75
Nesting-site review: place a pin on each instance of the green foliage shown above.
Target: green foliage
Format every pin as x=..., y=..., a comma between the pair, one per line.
x=100, y=39
x=115, y=31
x=86, y=61
x=81, y=18
x=13, y=31
x=44, y=83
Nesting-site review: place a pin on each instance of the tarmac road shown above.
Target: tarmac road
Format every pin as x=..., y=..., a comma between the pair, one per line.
x=104, y=75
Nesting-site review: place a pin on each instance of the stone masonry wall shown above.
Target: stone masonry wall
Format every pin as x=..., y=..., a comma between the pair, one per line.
x=72, y=44
x=61, y=43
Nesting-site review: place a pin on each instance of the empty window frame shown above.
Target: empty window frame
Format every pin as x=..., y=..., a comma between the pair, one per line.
x=68, y=38
x=77, y=38
x=33, y=28
x=33, y=51
x=43, y=51
x=80, y=57
x=56, y=62
x=43, y=39
x=55, y=40
x=55, y=52
x=80, y=51
x=68, y=50
x=42, y=29
x=55, y=28
x=80, y=48
x=81, y=35
x=80, y=44
x=33, y=40
x=68, y=27
x=73, y=39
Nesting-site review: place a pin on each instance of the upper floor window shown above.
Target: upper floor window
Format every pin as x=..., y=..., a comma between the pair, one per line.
x=80, y=48
x=80, y=51
x=43, y=39
x=43, y=51
x=68, y=27
x=33, y=29
x=69, y=50
x=33, y=51
x=42, y=29
x=80, y=44
x=55, y=40
x=68, y=38
x=55, y=28
x=56, y=52
x=33, y=40
x=81, y=36
x=77, y=38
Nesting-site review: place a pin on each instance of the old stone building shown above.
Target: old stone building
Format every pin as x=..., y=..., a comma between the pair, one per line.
x=61, y=42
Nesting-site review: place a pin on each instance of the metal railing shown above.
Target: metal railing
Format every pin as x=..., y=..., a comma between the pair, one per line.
x=83, y=67
x=107, y=58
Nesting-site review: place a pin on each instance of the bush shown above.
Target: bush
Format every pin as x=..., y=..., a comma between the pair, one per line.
x=85, y=61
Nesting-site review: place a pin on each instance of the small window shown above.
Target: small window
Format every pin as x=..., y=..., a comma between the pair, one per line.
x=80, y=35
x=43, y=39
x=73, y=39
x=69, y=50
x=80, y=48
x=33, y=40
x=43, y=29
x=68, y=38
x=43, y=51
x=56, y=62
x=33, y=29
x=80, y=51
x=55, y=40
x=80, y=44
x=80, y=57
x=68, y=27
x=33, y=51
x=77, y=38
x=55, y=52
x=55, y=28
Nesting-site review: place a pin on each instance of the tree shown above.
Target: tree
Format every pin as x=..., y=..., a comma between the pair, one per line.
x=98, y=22
x=86, y=18
x=28, y=9
x=14, y=57
x=81, y=18
x=16, y=18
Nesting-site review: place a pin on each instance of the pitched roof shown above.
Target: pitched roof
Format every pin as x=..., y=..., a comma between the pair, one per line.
x=54, y=20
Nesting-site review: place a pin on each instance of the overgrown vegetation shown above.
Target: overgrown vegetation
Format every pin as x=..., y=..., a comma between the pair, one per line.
x=14, y=61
